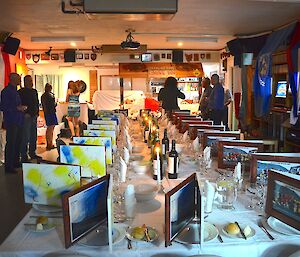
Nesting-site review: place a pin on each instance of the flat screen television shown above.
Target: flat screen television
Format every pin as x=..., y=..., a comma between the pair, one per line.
x=281, y=89
x=146, y=57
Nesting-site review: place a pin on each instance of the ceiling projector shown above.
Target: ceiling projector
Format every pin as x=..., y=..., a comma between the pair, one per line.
x=129, y=43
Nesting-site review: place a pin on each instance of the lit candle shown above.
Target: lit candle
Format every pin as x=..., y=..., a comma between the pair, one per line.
x=158, y=165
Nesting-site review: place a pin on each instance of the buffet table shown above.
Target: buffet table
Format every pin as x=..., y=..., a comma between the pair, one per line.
x=25, y=243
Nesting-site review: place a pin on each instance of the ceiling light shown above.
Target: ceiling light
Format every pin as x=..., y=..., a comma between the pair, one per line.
x=73, y=44
x=179, y=43
x=192, y=39
x=57, y=39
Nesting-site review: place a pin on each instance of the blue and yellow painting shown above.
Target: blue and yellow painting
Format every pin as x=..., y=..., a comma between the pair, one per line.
x=46, y=183
x=112, y=121
x=103, y=141
x=102, y=133
x=288, y=167
x=90, y=158
x=102, y=127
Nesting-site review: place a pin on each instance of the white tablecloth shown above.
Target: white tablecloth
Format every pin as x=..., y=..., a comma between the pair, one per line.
x=110, y=99
x=23, y=243
x=62, y=109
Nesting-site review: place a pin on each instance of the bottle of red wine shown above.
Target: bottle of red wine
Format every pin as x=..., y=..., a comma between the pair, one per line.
x=146, y=132
x=165, y=144
x=157, y=161
x=173, y=162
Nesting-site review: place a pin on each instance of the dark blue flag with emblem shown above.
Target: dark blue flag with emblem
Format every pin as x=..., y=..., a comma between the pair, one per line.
x=262, y=83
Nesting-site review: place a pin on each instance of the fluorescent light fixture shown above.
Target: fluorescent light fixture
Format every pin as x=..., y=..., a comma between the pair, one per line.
x=192, y=39
x=179, y=43
x=73, y=44
x=57, y=39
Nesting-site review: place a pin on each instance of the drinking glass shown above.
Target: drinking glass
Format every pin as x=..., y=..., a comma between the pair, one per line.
x=226, y=191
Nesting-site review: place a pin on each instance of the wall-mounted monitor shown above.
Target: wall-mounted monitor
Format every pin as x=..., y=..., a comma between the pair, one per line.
x=281, y=89
x=147, y=57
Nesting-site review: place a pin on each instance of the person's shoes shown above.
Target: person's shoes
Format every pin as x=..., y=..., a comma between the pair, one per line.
x=36, y=157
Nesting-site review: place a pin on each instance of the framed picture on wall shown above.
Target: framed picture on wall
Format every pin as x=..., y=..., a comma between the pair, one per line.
x=54, y=57
x=283, y=198
x=79, y=56
x=86, y=56
x=169, y=56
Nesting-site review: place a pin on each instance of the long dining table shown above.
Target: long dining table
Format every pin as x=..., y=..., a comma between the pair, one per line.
x=22, y=242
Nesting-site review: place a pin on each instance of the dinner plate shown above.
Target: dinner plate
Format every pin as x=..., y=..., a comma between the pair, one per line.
x=190, y=235
x=153, y=234
x=65, y=254
x=46, y=208
x=46, y=228
x=239, y=235
x=281, y=227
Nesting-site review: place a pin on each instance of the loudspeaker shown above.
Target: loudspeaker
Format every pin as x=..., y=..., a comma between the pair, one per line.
x=11, y=45
x=177, y=56
x=69, y=55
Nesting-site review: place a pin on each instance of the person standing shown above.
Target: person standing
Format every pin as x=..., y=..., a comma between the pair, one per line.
x=203, y=103
x=169, y=94
x=49, y=105
x=29, y=98
x=227, y=101
x=73, y=108
x=13, y=117
x=216, y=100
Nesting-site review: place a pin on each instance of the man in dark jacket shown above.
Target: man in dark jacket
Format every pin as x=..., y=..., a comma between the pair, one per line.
x=203, y=103
x=13, y=117
x=216, y=100
x=29, y=98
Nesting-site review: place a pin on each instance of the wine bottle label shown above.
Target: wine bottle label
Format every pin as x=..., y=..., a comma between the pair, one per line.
x=172, y=165
x=156, y=163
x=163, y=149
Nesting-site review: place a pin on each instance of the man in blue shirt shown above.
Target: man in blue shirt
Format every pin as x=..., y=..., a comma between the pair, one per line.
x=216, y=100
x=13, y=116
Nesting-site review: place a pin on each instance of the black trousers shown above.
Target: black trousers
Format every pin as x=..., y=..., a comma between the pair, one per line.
x=225, y=118
x=217, y=116
x=13, y=146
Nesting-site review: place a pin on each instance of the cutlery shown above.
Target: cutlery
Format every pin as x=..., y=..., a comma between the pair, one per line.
x=265, y=230
x=241, y=231
x=146, y=233
x=219, y=236
x=129, y=246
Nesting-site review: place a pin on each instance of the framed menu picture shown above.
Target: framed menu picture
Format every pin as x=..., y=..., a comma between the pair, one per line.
x=283, y=198
x=232, y=151
x=283, y=162
x=84, y=209
x=103, y=133
x=181, y=207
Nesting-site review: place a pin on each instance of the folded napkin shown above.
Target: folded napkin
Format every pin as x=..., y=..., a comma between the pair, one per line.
x=185, y=136
x=196, y=145
x=126, y=155
x=209, y=193
x=123, y=170
x=207, y=153
x=208, y=164
x=130, y=201
x=238, y=171
x=129, y=144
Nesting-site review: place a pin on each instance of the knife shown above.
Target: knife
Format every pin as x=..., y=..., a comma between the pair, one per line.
x=219, y=236
x=242, y=232
x=266, y=231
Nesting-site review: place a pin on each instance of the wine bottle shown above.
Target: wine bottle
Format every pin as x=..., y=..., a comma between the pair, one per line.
x=146, y=132
x=149, y=139
x=157, y=161
x=165, y=144
x=173, y=162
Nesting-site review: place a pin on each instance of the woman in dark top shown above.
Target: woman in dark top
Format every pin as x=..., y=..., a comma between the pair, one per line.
x=49, y=105
x=169, y=95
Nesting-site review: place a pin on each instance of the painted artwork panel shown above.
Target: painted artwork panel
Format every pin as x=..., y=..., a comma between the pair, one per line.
x=231, y=154
x=46, y=183
x=286, y=200
x=102, y=133
x=90, y=158
x=101, y=122
x=212, y=141
x=102, y=141
x=88, y=209
x=102, y=127
x=287, y=167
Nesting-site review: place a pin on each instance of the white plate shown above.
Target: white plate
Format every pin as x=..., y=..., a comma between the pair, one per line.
x=46, y=208
x=120, y=233
x=239, y=235
x=65, y=254
x=46, y=228
x=150, y=231
x=190, y=235
x=281, y=227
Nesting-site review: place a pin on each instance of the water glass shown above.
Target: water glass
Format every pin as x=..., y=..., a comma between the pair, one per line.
x=226, y=192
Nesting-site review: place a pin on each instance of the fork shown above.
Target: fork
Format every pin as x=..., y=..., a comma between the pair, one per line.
x=265, y=230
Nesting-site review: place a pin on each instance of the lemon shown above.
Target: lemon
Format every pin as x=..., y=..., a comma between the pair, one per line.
x=138, y=233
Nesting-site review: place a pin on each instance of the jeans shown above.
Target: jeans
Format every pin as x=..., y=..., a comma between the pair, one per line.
x=29, y=136
x=12, y=147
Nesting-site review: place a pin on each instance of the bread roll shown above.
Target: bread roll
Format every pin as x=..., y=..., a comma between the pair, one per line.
x=232, y=229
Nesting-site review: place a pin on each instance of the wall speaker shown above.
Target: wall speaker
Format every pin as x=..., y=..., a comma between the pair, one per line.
x=177, y=56
x=69, y=55
x=11, y=45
